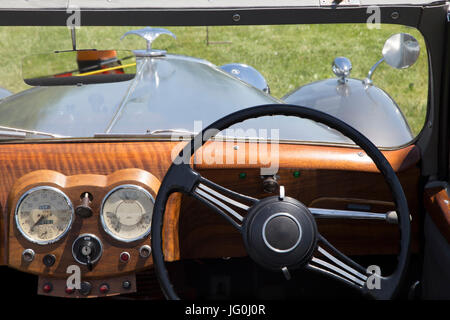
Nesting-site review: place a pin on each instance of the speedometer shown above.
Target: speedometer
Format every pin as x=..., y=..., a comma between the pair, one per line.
x=126, y=213
x=44, y=215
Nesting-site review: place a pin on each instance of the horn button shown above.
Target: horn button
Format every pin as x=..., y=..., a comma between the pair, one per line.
x=280, y=233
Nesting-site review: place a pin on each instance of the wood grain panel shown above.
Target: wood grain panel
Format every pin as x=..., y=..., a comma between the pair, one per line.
x=437, y=203
x=222, y=155
x=73, y=158
x=204, y=233
x=74, y=186
x=319, y=167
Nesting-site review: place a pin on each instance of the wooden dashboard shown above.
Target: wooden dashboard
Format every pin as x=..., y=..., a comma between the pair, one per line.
x=319, y=176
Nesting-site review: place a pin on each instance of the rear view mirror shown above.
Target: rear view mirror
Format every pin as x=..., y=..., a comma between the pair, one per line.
x=78, y=67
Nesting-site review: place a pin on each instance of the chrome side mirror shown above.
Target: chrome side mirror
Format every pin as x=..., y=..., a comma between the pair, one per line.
x=400, y=51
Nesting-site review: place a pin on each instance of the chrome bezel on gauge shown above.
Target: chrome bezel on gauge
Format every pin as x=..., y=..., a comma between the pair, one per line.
x=105, y=227
x=27, y=193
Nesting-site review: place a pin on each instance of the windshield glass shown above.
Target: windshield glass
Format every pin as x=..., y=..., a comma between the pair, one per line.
x=187, y=89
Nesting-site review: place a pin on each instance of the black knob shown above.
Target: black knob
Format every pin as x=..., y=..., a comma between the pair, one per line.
x=49, y=260
x=126, y=284
x=85, y=288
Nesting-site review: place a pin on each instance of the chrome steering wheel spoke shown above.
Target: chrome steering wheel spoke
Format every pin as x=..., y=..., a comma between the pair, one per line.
x=389, y=217
x=221, y=200
x=333, y=263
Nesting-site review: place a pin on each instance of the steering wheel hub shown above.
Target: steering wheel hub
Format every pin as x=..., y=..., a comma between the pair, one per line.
x=280, y=233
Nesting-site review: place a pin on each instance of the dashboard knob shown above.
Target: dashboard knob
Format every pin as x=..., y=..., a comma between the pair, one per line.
x=28, y=255
x=49, y=260
x=104, y=288
x=145, y=251
x=124, y=257
x=47, y=287
x=84, y=210
x=126, y=284
x=85, y=288
x=270, y=184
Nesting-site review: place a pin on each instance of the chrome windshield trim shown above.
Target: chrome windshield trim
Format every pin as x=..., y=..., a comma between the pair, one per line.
x=36, y=133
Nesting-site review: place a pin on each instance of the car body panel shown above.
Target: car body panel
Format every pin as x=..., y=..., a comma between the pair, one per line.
x=367, y=108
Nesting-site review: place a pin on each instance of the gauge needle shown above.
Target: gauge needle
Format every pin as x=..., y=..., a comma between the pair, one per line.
x=37, y=222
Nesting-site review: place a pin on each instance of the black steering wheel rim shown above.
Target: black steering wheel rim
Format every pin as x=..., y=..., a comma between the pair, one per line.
x=168, y=186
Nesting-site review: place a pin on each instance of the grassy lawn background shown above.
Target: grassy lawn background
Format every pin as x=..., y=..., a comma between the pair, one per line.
x=288, y=56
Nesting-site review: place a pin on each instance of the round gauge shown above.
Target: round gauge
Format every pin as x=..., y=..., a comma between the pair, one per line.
x=44, y=215
x=126, y=213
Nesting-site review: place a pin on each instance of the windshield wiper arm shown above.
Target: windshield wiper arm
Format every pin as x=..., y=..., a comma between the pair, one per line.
x=22, y=133
x=151, y=133
x=167, y=131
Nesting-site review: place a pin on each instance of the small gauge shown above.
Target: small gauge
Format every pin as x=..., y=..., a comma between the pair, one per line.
x=44, y=215
x=126, y=213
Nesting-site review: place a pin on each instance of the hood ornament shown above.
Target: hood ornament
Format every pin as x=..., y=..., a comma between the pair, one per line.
x=342, y=68
x=150, y=35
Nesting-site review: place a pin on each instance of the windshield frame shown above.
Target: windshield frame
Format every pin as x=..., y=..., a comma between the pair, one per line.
x=429, y=19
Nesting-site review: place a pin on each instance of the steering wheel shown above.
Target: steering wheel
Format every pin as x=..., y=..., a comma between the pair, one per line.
x=279, y=232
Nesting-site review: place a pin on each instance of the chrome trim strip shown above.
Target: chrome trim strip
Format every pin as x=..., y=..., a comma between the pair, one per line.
x=104, y=137
x=33, y=132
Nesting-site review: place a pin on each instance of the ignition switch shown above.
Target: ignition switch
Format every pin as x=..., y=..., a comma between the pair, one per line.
x=87, y=249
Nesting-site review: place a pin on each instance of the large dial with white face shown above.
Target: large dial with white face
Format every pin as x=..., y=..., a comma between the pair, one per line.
x=44, y=215
x=126, y=213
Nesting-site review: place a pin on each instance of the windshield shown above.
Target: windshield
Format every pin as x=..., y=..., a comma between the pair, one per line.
x=186, y=89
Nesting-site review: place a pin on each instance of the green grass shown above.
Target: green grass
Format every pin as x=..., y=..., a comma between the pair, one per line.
x=288, y=56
